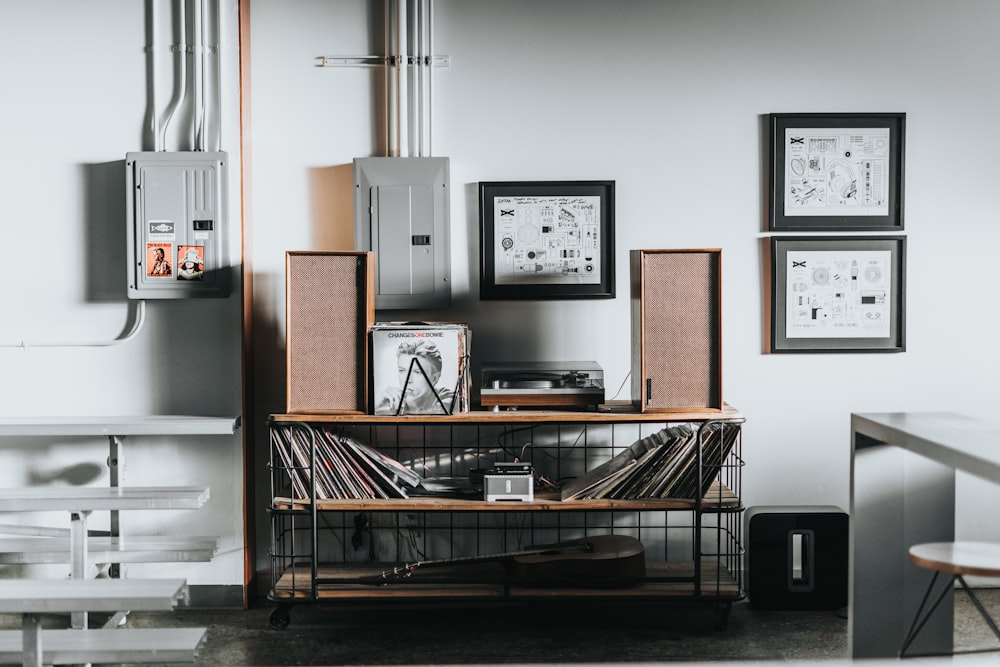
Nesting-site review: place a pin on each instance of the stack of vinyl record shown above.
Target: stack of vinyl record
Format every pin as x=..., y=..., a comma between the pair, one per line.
x=662, y=465
x=344, y=467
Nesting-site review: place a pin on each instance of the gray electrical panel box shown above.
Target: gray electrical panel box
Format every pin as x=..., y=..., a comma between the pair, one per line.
x=177, y=227
x=401, y=213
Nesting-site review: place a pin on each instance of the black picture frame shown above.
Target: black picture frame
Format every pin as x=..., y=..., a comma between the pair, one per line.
x=547, y=240
x=837, y=293
x=825, y=180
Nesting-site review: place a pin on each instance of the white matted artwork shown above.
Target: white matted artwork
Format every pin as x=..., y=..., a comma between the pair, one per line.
x=836, y=171
x=547, y=239
x=831, y=171
x=837, y=293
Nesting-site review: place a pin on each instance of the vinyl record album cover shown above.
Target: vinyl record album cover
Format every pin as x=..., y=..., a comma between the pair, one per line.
x=420, y=368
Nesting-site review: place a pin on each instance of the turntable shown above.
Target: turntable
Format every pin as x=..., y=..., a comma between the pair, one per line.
x=542, y=384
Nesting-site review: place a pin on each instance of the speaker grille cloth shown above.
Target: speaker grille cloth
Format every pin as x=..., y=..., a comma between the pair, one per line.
x=323, y=333
x=681, y=331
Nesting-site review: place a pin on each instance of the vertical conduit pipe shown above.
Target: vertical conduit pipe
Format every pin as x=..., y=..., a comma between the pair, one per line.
x=197, y=46
x=418, y=29
x=154, y=119
x=391, y=100
x=217, y=83
x=203, y=64
x=385, y=74
x=430, y=76
x=180, y=76
x=403, y=71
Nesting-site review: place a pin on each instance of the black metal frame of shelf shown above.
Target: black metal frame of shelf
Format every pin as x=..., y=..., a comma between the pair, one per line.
x=713, y=527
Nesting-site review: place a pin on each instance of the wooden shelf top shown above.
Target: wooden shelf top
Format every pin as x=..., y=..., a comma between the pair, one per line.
x=719, y=498
x=622, y=413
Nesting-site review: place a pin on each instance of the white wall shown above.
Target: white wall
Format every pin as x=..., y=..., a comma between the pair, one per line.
x=73, y=103
x=666, y=98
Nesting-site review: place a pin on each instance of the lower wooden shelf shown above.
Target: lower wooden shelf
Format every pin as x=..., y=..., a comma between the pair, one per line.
x=672, y=579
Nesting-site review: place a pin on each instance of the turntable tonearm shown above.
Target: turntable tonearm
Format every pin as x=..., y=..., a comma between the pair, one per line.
x=538, y=384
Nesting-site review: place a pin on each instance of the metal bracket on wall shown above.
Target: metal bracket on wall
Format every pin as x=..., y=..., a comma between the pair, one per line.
x=379, y=61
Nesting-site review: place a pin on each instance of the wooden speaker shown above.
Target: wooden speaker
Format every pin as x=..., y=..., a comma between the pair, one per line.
x=676, y=300
x=329, y=308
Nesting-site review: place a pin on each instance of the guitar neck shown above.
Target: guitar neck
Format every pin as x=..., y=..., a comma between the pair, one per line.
x=406, y=569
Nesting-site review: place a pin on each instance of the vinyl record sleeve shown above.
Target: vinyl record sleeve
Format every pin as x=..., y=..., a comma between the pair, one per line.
x=420, y=368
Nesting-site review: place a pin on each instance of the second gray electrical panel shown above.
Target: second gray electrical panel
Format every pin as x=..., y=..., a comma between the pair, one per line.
x=401, y=213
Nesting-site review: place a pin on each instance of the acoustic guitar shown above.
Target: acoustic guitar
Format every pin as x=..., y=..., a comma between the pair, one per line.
x=598, y=560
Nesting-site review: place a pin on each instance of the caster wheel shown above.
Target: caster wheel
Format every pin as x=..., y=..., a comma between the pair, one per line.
x=721, y=616
x=279, y=619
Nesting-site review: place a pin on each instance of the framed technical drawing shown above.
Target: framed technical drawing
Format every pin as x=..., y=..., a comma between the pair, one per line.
x=836, y=171
x=837, y=293
x=547, y=240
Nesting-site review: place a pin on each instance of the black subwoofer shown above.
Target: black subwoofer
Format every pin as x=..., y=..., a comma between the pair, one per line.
x=797, y=557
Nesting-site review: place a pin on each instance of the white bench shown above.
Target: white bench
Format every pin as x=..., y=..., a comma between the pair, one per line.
x=140, y=645
x=106, y=549
x=81, y=501
x=115, y=429
x=34, y=646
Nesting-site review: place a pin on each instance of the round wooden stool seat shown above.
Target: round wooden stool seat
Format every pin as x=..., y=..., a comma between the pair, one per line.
x=955, y=559
x=973, y=558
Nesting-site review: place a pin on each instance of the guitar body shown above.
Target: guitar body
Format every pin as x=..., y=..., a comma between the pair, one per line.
x=600, y=560
x=597, y=561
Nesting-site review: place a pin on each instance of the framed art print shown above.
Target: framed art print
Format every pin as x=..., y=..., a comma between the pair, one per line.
x=837, y=293
x=836, y=171
x=547, y=239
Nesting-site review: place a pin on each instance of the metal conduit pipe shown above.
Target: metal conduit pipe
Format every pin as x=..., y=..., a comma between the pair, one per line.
x=154, y=128
x=217, y=84
x=402, y=65
x=138, y=318
x=211, y=107
x=418, y=29
x=390, y=79
x=180, y=77
x=197, y=46
x=430, y=75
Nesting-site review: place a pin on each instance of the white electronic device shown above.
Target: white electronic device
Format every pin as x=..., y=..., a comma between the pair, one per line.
x=509, y=481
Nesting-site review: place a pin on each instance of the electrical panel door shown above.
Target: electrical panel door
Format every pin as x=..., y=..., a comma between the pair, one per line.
x=177, y=227
x=401, y=213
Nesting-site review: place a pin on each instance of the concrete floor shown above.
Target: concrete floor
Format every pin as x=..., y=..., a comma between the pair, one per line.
x=458, y=634
x=436, y=634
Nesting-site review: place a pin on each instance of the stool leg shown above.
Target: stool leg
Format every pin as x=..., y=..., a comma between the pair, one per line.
x=918, y=622
x=979, y=606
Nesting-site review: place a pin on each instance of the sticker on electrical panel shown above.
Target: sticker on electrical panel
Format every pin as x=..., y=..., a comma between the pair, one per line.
x=158, y=260
x=162, y=230
x=191, y=262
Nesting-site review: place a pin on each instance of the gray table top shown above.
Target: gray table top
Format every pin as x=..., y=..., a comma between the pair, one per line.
x=964, y=443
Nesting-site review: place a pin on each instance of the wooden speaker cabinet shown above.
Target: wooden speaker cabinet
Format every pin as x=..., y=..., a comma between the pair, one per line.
x=329, y=309
x=676, y=301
